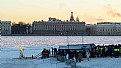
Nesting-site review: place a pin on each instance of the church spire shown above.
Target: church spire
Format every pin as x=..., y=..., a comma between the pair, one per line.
x=77, y=19
x=72, y=17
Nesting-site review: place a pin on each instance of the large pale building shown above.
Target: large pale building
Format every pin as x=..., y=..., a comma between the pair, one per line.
x=5, y=27
x=105, y=28
x=57, y=27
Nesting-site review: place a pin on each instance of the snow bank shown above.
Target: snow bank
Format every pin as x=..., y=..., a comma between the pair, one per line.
x=53, y=63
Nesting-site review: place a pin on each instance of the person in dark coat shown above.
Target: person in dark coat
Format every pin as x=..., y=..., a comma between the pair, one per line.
x=55, y=52
x=80, y=57
x=76, y=55
x=110, y=51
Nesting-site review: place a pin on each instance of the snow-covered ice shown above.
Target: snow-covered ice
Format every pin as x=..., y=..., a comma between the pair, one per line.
x=7, y=60
x=53, y=63
x=33, y=45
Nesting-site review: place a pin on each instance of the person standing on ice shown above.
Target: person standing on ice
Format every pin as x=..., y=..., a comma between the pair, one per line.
x=87, y=54
x=67, y=56
x=80, y=57
x=21, y=53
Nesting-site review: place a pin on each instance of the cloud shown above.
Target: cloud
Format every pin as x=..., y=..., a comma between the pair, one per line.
x=112, y=12
x=100, y=19
x=62, y=5
x=94, y=19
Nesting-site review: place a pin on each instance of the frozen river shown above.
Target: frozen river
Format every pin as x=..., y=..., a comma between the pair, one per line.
x=15, y=41
x=34, y=44
x=9, y=49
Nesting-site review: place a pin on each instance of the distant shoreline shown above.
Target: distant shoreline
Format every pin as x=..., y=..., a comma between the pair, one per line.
x=52, y=35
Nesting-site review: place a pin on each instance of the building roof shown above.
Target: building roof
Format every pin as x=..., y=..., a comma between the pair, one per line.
x=76, y=46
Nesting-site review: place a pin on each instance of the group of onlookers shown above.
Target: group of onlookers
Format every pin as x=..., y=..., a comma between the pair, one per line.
x=104, y=51
x=78, y=55
x=46, y=53
x=97, y=51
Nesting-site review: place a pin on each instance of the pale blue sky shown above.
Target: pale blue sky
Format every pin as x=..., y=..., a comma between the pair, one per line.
x=90, y=11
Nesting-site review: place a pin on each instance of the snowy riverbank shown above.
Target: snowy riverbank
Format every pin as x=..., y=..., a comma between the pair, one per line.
x=53, y=63
x=34, y=44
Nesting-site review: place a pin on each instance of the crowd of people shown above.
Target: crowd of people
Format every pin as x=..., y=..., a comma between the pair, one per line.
x=46, y=53
x=78, y=55
x=97, y=51
x=104, y=51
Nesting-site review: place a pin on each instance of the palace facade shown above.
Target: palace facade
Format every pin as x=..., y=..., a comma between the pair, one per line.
x=57, y=27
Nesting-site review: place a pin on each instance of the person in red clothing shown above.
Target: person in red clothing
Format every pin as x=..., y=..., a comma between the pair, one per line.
x=45, y=53
x=94, y=52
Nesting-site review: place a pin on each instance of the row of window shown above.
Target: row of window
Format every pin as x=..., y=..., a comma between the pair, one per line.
x=108, y=33
x=110, y=30
x=6, y=23
x=5, y=32
x=6, y=28
x=53, y=27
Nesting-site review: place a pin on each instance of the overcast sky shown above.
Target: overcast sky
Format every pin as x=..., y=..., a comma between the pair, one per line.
x=90, y=11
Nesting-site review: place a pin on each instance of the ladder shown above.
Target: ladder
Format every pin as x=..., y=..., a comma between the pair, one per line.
x=38, y=55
